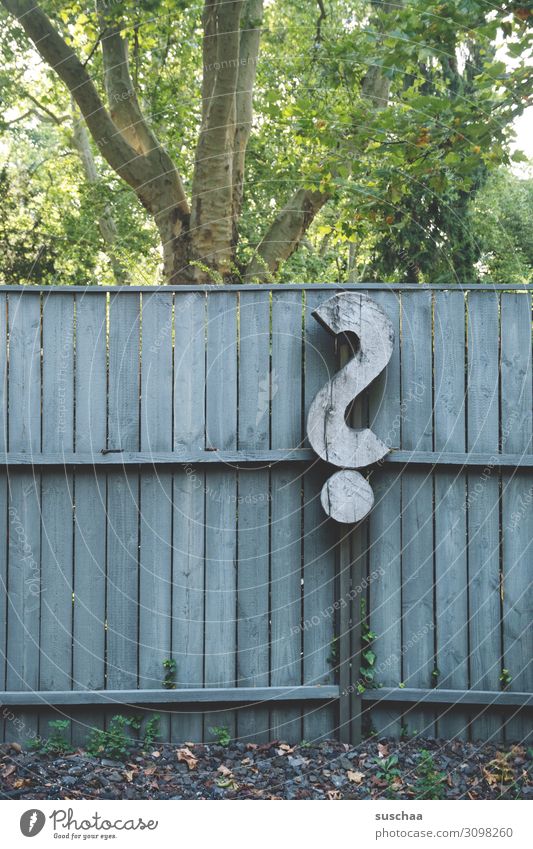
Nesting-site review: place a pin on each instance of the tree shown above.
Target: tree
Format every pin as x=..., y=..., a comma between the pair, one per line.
x=337, y=109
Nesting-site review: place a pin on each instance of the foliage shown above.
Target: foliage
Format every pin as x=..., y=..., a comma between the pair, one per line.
x=388, y=771
x=368, y=656
x=116, y=742
x=122, y=737
x=429, y=783
x=221, y=734
x=505, y=678
x=169, y=680
x=56, y=743
x=408, y=182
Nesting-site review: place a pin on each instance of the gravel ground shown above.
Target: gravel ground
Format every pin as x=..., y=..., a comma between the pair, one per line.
x=327, y=770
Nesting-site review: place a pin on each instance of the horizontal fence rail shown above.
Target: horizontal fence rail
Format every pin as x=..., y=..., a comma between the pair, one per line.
x=160, y=502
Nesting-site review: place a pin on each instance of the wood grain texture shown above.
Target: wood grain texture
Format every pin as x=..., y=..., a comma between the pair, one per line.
x=329, y=434
x=221, y=508
x=319, y=543
x=123, y=495
x=3, y=500
x=285, y=523
x=450, y=508
x=384, y=529
x=89, y=614
x=253, y=591
x=188, y=499
x=155, y=565
x=418, y=633
x=517, y=503
x=24, y=512
x=484, y=615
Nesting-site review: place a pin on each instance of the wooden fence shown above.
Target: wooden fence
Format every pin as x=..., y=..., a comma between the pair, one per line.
x=158, y=501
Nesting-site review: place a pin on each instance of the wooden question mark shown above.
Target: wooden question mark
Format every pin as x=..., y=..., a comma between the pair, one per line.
x=347, y=496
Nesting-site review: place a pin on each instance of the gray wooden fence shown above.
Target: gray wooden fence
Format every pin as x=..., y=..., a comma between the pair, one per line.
x=158, y=501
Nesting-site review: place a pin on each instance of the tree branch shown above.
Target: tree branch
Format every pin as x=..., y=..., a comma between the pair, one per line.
x=211, y=216
x=252, y=19
x=62, y=59
x=284, y=234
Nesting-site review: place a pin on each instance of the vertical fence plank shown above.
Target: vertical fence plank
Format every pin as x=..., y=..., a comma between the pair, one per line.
x=483, y=502
x=3, y=499
x=221, y=498
x=24, y=555
x=188, y=540
x=319, y=544
x=384, y=529
x=253, y=510
x=155, y=577
x=417, y=499
x=123, y=496
x=517, y=504
x=450, y=508
x=90, y=511
x=285, y=556
x=55, y=671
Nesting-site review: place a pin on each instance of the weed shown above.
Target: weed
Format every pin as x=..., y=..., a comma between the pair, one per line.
x=429, y=783
x=115, y=743
x=56, y=743
x=505, y=679
x=222, y=735
x=151, y=731
x=388, y=771
x=333, y=658
x=368, y=656
x=169, y=681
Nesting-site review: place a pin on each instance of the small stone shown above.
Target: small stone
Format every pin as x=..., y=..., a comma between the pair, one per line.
x=107, y=762
x=115, y=777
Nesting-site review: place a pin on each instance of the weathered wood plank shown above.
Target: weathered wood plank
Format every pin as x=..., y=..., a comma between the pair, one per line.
x=319, y=543
x=281, y=287
x=57, y=496
x=3, y=499
x=450, y=508
x=123, y=495
x=286, y=546
x=221, y=507
x=194, y=695
x=253, y=511
x=155, y=578
x=245, y=458
x=24, y=553
x=384, y=529
x=188, y=543
x=89, y=614
x=483, y=502
x=517, y=503
x=418, y=656
x=442, y=696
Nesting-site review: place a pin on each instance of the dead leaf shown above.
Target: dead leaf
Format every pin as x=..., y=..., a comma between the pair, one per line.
x=156, y=754
x=186, y=756
x=246, y=761
x=333, y=795
x=251, y=746
x=356, y=777
x=150, y=770
x=128, y=774
x=285, y=749
x=383, y=750
x=8, y=770
x=223, y=770
x=17, y=747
